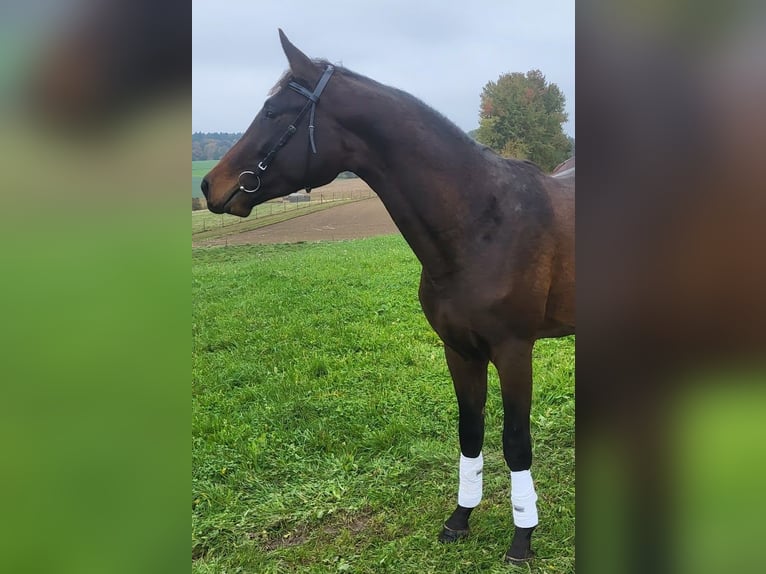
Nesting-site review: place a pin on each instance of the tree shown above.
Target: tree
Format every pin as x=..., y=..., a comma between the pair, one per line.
x=521, y=116
x=212, y=145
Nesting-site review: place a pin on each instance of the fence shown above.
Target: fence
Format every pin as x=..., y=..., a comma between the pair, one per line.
x=205, y=220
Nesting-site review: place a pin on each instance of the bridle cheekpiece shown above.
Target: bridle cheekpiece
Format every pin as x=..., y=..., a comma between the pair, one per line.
x=313, y=100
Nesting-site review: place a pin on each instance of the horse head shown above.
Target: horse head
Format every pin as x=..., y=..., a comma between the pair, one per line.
x=293, y=142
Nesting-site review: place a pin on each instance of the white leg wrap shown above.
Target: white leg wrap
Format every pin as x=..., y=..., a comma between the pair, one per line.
x=469, y=492
x=523, y=499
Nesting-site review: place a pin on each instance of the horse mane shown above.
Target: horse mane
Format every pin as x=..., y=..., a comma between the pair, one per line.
x=443, y=126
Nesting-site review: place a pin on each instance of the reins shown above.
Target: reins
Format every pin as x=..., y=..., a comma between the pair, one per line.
x=311, y=103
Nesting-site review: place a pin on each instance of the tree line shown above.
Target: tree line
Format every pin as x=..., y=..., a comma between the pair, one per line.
x=212, y=145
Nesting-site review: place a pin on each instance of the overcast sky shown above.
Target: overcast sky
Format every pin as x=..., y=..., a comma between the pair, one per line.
x=442, y=51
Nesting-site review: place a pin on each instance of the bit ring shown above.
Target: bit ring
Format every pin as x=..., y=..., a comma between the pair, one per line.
x=243, y=188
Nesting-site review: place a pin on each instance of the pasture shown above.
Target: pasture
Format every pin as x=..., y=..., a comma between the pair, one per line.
x=199, y=169
x=325, y=424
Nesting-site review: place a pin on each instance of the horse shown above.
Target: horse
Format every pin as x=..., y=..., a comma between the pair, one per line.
x=494, y=236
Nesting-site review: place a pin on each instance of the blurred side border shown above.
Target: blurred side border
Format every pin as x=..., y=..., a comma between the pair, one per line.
x=94, y=421
x=671, y=279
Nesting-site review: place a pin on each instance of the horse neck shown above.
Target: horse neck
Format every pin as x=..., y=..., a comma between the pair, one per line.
x=421, y=167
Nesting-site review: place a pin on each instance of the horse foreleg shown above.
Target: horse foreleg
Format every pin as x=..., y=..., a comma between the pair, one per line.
x=514, y=366
x=470, y=380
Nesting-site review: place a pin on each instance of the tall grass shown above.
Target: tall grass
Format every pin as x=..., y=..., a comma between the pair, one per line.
x=325, y=425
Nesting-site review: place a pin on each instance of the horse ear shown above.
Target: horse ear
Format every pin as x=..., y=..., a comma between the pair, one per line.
x=300, y=64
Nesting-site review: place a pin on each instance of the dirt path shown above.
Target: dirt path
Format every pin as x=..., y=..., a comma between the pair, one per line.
x=365, y=218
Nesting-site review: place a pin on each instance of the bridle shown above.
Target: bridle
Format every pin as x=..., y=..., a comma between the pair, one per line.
x=313, y=100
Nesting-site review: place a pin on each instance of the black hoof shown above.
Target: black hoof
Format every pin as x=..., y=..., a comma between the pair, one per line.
x=448, y=535
x=519, y=561
x=520, y=551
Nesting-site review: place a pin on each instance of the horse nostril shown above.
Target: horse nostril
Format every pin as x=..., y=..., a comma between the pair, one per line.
x=204, y=186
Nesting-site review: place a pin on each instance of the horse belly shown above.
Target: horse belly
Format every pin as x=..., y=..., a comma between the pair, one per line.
x=559, y=316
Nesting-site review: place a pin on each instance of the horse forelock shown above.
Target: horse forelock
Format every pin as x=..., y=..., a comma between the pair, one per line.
x=281, y=83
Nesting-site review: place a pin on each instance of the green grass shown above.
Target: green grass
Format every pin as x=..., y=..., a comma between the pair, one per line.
x=325, y=425
x=199, y=170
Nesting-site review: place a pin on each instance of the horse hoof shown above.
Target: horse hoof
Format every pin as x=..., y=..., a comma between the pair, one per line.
x=519, y=561
x=448, y=535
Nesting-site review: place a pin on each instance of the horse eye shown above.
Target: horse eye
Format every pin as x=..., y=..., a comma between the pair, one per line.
x=269, y=114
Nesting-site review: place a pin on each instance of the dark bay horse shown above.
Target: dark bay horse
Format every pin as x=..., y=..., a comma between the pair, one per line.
x=495, y=238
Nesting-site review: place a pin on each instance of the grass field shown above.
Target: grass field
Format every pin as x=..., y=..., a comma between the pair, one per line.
x=325, y=425
x=199, y=170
